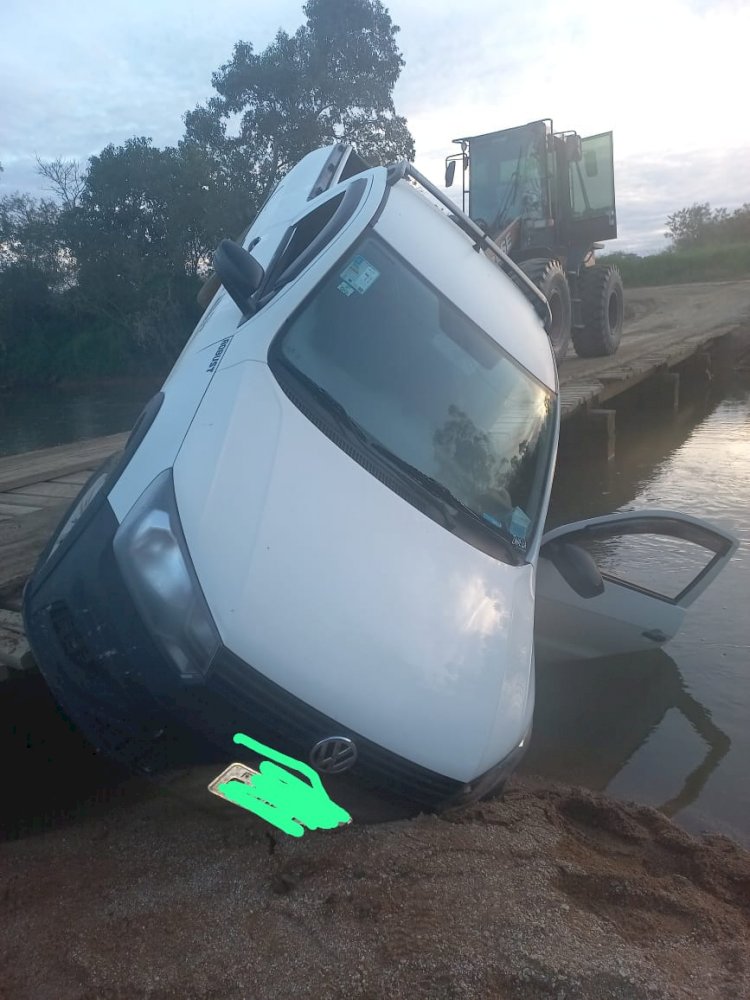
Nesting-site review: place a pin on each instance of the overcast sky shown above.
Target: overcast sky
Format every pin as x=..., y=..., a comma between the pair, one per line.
x=669, y=77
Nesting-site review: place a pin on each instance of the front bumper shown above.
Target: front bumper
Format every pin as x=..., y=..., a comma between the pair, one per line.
x=116, y=685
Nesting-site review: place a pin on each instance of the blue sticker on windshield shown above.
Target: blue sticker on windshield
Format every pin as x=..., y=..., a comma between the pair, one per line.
x=519, y=526
x=358, y=276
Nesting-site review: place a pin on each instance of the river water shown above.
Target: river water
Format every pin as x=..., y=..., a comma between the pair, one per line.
x=670, y=728
x=40, y=418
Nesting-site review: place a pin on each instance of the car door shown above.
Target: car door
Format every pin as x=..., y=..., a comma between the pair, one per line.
x=621, y=583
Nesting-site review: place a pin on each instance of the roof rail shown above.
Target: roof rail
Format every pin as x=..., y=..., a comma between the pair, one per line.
x=399, y=171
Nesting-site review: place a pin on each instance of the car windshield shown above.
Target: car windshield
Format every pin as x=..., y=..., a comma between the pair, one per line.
x=428, y=388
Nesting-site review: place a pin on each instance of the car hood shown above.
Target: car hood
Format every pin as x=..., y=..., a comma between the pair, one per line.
x=337, y=589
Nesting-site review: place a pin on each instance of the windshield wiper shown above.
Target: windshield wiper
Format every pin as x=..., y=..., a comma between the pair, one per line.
x=449, y=507
x=341, y=415
x=441, y=491
x=441, y=499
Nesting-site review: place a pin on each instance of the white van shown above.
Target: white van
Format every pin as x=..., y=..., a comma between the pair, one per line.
x=324, y=531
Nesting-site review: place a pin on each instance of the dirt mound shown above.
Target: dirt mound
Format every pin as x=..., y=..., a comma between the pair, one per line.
x=552, y=893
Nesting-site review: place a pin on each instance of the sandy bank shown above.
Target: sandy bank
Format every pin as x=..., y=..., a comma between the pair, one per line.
x=552, y=893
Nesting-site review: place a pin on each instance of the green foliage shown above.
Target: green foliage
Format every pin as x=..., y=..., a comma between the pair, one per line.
x=103, y=279
x=29, y=236
x=673, y=267
x=138, y=242
x=333, y=79
x=698, y=226
x=706, y=246
x=34, y=273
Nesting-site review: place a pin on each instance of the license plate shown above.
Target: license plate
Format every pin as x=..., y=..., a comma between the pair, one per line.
x=285, y=792
x=235, y=772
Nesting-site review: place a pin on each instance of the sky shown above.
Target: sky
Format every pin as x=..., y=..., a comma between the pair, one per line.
x=668, y=77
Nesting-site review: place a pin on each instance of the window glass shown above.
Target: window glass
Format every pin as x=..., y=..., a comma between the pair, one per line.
x=592, y=185
x=508, y=176
x=428, y=385
x=660, y=564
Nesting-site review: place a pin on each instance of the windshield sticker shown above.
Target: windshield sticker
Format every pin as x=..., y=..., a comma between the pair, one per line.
x=358, y=275
x=519, y=527
x=278, y=796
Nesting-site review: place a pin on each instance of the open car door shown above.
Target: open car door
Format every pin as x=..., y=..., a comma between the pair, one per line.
x=621, y=583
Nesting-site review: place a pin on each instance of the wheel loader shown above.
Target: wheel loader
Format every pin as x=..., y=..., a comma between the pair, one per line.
x=546, y=198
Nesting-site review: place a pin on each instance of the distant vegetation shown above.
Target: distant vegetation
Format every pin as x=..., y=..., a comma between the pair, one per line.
x=100, y=278
x=706, y=245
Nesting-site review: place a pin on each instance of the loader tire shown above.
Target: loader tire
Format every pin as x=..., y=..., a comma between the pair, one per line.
x=549, y=277
x=602, y=312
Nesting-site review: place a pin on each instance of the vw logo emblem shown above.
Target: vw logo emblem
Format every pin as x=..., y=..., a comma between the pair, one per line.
x=334, y=754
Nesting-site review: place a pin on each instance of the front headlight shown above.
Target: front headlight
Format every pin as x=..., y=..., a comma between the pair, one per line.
x=155, y=563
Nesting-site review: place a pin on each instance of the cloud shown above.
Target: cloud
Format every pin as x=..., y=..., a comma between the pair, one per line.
x=650, y=188
x=90, y=74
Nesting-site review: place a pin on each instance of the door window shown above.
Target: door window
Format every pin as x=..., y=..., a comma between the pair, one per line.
x=592, y=181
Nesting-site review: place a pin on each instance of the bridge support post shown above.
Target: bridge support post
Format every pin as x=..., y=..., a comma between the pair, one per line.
x=672, y=386
x=603, y=429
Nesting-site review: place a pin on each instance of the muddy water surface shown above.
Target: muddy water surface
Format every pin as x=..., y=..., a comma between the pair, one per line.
x=43, y=417
x=669, y=728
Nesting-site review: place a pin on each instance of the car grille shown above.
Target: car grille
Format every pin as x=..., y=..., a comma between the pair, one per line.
x=269, y=709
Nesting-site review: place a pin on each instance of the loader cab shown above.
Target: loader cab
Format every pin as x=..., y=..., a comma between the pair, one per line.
x=510, y=177
x=539, y=188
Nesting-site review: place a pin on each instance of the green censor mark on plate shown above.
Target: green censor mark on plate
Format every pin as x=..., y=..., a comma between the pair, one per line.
x=276, y=795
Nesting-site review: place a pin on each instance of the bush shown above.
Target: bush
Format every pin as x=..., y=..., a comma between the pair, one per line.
x=675, y=267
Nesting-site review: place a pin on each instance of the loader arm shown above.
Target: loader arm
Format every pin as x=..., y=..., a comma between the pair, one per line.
x=509, y=237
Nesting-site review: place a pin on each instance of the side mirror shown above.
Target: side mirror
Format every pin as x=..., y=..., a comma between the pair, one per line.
x=576, y=567
x=239, y=272
x=450, y=172
x=573, y=148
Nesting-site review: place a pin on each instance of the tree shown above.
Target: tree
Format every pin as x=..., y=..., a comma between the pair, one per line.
x=34, y=275
x=699, y=226
x=106, y=274
x=66, y=179
x=332, y=79
x=29, y=235
x=137, y=246
x=687, y=227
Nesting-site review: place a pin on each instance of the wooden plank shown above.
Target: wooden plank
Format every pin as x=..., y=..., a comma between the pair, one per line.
x=31, y=500
x=65, y=491
x=78, y=478
x=16, y=509
x=21, y=541
x=13, y=644
x=67, y=459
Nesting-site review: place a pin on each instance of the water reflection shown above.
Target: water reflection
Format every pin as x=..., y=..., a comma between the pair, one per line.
x=592, y=717
x=646, y=438
x=41, y=417
x=655, y=727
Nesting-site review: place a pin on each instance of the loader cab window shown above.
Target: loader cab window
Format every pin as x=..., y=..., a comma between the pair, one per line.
x=592, y=182
x=420, y=394
x=509, y=176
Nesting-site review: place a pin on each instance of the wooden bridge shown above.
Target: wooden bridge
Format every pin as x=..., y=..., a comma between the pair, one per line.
x=35, y=488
